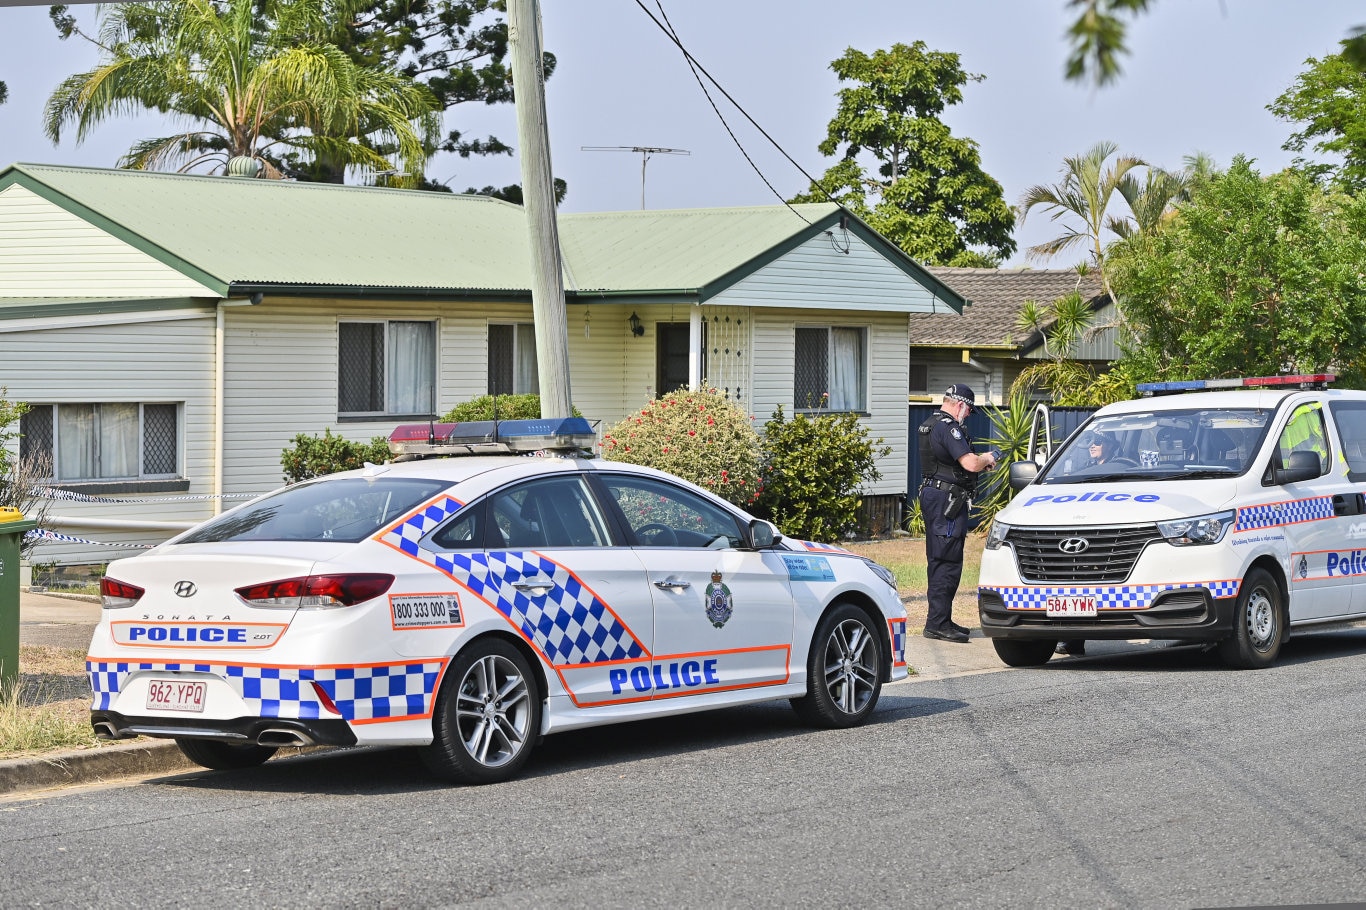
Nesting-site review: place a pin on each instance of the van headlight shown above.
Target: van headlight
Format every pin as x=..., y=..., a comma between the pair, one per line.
x=1202, y=529
x=997, y=535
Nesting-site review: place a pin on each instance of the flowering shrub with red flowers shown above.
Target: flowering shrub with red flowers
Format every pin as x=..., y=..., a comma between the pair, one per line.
x=697, y=434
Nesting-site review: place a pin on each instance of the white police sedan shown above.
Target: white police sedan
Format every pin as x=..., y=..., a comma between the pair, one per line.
x=470, y=605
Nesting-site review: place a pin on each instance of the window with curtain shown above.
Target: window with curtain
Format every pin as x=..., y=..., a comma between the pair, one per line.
x=103, y=441
x=386, y=368
x=830, y=368
x=512, y=359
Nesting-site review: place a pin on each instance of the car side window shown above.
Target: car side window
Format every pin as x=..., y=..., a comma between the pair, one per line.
x=663, y=515
x=1304, y=433
x=1350, y=416
x=461, y=532
x=547, y=512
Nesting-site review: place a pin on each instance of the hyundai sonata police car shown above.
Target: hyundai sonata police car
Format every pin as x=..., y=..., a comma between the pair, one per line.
x=1231, y=515
x=470, y=605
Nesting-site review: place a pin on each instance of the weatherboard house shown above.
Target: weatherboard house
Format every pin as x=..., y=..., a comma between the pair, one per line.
x=173, y=333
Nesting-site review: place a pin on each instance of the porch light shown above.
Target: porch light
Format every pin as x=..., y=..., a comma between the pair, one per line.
x=636, y=328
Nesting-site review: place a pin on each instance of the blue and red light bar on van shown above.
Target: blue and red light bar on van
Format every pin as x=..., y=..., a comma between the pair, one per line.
x=479, y=437
x=1307, y=381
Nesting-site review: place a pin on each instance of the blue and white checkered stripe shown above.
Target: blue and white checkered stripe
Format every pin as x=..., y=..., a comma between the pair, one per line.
x=570, y=625
x=898, y=627
x=370, y=692
x=1271, y=514
x=1116, y=597
x=405, y=535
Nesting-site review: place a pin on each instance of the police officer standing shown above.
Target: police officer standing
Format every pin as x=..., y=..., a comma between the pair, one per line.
x=949, y=468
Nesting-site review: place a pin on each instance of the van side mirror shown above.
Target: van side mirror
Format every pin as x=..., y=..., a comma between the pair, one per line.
x=763, y=535
x=1022, y=474
x=1302, y=466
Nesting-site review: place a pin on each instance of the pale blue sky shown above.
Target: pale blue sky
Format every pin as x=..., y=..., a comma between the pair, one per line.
x=1199, y=78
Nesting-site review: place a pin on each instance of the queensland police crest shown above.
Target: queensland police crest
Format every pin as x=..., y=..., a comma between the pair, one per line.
x=720, y=605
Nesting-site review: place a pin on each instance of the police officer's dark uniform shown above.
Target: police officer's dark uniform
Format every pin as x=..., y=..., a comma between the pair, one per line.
x=945, y=490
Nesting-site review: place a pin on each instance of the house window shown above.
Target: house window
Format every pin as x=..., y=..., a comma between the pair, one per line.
x=831, y=369
x=123, y=441
x=386, y=368
x=512, y=360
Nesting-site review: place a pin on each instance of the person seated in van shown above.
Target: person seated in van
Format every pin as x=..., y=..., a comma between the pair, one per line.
x=1102, y=447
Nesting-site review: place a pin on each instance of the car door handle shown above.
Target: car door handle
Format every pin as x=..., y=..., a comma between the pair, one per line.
x=678, y=583
x=534, y=588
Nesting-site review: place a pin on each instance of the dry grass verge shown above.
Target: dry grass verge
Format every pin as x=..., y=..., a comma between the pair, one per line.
x=905, y=556
x=48, y=709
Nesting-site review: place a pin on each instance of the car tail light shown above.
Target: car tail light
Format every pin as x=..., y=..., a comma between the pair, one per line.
x=317, y=590
x=324, y=699
x=115, y=595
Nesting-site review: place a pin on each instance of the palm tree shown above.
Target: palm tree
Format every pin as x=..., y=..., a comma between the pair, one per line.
x=252, y=78
x=1085, y=193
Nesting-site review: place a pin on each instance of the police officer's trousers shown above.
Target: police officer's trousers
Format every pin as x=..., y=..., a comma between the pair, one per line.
x=943, y=555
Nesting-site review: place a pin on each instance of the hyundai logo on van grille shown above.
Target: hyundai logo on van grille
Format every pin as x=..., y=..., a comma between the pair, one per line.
x=1074, y=545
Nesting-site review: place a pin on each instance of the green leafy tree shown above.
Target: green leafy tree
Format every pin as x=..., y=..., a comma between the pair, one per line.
x=697, y=434
x=1328, y=101
x=814, y=467
x=1253, y=276
x=1010, y=427
x=257, y=78
x=926, y=191
x=1097, y=38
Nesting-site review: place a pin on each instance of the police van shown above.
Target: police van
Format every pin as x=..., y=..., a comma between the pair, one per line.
x=1227, y=511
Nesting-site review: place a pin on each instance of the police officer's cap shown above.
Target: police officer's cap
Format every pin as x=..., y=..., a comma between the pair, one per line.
x=961, y=392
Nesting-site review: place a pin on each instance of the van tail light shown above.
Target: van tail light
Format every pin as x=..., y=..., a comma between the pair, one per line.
x=317, y=590
x=115, y=594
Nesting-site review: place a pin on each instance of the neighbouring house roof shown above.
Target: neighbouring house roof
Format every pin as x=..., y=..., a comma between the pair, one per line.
x=237, y=236
x=995, y=297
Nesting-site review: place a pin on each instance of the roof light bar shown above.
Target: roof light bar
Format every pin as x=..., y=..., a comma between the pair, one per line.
x=1304, y=381
x=475, y=437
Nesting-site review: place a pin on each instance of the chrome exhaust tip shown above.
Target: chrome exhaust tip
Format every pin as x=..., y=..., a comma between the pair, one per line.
x=277, y=736
x=105, y=731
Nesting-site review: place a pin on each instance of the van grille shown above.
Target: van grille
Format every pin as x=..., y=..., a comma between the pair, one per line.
x=1108, y=558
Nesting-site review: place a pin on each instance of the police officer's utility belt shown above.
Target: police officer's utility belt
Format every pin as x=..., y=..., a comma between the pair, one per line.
x=943, y=485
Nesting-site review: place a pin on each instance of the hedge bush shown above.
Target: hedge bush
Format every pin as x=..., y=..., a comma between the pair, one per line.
x=314, y=456
x=699, y=435
x=510, y=407
x=814, y=467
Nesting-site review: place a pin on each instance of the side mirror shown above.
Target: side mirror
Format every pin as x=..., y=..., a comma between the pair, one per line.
x=1302, y=466
x=1022, y=474
x=763, y=535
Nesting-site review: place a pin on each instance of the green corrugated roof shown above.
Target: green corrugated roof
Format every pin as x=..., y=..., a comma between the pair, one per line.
x=316, y=237
x=674, y=249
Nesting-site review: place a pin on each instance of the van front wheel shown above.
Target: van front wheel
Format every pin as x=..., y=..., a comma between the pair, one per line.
x=1258, y=624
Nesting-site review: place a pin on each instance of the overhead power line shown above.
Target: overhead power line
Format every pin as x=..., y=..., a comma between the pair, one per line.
x=667, y=28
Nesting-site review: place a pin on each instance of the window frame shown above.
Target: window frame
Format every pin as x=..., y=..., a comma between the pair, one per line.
x=865, y=347
x=389, y=412
x=142, y=480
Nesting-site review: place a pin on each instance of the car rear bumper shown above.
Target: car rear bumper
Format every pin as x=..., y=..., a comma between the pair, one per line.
x=263, y=731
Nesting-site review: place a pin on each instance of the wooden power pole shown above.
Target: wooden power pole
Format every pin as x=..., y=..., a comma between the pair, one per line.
x=538, y=197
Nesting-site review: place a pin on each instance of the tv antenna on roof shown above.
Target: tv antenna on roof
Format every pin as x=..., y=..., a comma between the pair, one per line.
x=645, y=151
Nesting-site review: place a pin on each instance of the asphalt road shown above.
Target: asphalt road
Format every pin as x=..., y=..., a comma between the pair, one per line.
x=1151, y=777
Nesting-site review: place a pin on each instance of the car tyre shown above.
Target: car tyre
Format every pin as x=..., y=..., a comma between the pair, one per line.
x=1023, y=653
x=224, y=756
x=843, y=670
x=1258, y=624
x=487, y=717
